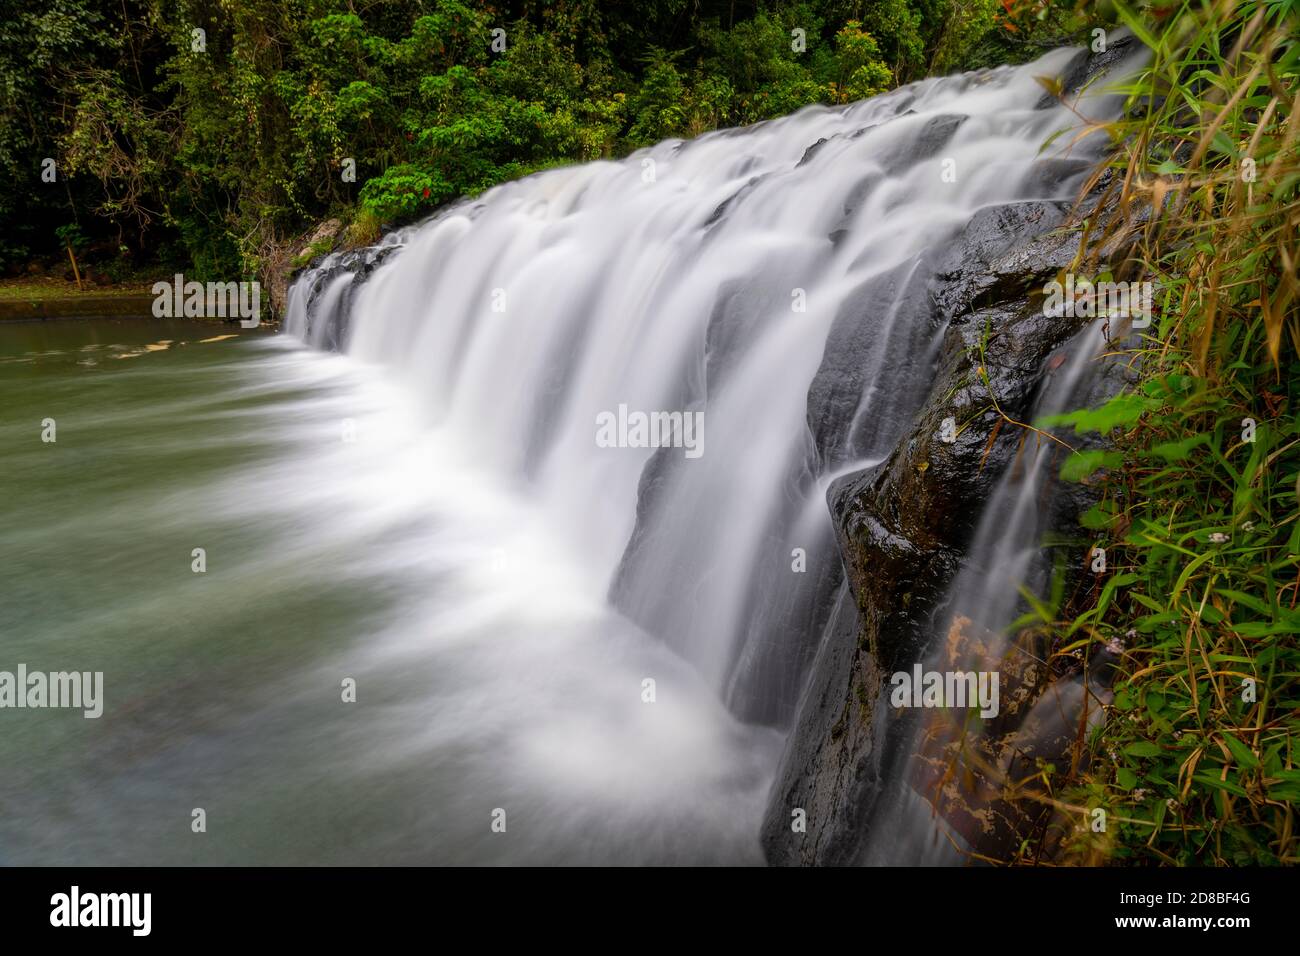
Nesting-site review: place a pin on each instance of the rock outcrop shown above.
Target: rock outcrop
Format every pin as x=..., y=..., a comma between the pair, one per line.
x=904, y=527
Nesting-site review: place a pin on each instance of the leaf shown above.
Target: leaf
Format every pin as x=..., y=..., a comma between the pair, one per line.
x=1174, y=451
x=1272, y=325
x=1123, y=409
x=1155, y=702
x=1116, y=581
x=1082, y=464
x=1053, y=84
x=1249, y=600
x=1241, y=753
x=1143, y=748
x=1096, y=517
x=1137, y=24
x=1224, y=146
x=1051, y=139
x=1284, y=785
x=1217, y=784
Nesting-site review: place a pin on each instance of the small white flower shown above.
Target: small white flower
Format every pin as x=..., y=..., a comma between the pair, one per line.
x=1218, y=537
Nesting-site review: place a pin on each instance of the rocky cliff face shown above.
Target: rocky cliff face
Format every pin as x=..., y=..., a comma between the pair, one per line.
x=328, y=328
x=904, y=527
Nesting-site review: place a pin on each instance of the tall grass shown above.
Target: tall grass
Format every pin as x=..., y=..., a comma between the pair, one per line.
x=1198, y=761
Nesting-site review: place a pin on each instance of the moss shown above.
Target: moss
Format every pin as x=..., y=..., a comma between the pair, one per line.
x=319, y=248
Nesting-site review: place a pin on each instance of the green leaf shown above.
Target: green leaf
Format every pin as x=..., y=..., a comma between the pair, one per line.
x=1155, y=702
x=1174, y=451
x=1143, y=748
x=1123, y=409
x=1082, y=464
x=1097, y=517
x=1241, y=753
x=1217, y=784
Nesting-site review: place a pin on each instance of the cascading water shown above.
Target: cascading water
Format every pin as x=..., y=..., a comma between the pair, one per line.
x=774, y=279
x=1005, y=556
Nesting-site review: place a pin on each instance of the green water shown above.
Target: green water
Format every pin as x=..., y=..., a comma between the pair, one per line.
x=97, y=529
x=481, y=685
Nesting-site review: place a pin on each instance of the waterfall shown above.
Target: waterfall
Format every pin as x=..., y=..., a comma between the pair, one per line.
x=1005, y=555
x=772, y=282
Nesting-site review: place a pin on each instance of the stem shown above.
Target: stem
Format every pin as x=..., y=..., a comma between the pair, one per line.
x=75, y=271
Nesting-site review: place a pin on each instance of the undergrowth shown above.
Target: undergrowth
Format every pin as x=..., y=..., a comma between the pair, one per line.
x=1198, y=760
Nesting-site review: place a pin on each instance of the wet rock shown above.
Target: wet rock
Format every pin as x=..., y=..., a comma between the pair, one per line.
x=360, y=264
x=830, y=772
x=285, y=260
x=904, y=526
x=863, y=395
x=902, y=154
x=810, y=152
x=719, y=213
x=1087, y=66
x=991, y=261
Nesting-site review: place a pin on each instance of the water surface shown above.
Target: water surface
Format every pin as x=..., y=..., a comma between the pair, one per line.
x=342, y=540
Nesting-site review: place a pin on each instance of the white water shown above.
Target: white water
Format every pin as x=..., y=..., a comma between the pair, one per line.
x=1004, y=556
x=523, y=622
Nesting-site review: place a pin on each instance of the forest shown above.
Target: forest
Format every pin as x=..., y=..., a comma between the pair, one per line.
x=146, y=135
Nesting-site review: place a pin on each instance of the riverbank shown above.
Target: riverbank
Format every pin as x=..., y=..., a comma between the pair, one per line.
x=43, y=298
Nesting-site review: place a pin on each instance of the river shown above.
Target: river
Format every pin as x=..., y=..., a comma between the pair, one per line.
x=500, y=709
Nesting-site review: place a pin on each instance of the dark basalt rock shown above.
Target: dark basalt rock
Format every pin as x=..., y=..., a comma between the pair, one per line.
x=905, y=153
x=936, y=134
x=810, y=152
x=718, y=214
x=359, y=263
x=990, y=264
x=904, y=525
x=869, y=382
x=863, y=398
x=832, y=765
x=1087, y=66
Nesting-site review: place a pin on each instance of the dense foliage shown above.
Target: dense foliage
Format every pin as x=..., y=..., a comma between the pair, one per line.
x=204, y=132
x=1198, y=760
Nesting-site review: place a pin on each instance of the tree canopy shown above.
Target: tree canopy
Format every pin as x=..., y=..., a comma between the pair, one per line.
x=202, y=132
